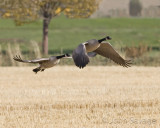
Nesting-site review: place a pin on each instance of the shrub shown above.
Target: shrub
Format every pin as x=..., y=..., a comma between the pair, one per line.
x=135, y=8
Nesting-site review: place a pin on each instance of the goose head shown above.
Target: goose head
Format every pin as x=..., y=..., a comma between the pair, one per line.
x=67, y=55
x=108, y=38
x=103, y=39
x=63, y=56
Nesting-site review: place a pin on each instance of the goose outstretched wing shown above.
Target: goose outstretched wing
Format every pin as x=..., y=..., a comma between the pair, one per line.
x=80, y=56
x=41, y=60
x=107, y=50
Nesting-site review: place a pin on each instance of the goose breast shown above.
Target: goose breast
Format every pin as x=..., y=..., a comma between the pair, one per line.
x=92, y=45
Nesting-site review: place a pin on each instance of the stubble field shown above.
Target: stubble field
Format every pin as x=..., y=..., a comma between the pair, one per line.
x=66, y=97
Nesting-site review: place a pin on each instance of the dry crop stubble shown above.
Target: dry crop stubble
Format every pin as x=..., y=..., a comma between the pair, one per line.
x=64, y=96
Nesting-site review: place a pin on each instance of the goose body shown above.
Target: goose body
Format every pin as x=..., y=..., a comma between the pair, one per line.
x=44, y=63
x=50, y=63
x=92, y=47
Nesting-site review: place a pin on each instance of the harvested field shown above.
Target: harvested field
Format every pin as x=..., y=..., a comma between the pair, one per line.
x=66, y=97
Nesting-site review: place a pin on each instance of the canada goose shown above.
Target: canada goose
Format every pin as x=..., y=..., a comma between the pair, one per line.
x=43, y=62
x=92, y=47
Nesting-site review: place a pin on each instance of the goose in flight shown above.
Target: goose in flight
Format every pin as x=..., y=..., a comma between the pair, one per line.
x=43, y=62
x=92, y=47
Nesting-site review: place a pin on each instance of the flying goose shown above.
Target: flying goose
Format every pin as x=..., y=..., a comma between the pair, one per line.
x=43, y=62
x=92, y=47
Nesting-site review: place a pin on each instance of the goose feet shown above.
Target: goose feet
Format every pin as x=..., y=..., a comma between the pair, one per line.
x=36, y=70
x=42, y=70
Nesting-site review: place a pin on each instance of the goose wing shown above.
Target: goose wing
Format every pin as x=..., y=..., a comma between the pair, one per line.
x=107, y=50
x=91, y=54
x=41, y=60
x=80, y=56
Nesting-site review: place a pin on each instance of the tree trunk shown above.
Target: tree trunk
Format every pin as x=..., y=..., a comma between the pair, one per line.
x=45, y=36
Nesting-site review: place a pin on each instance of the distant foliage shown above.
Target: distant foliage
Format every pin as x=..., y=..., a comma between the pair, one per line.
x=135, y=8
x=151, y=11
x=30, y=10
x=26, y=11
x=133, y=52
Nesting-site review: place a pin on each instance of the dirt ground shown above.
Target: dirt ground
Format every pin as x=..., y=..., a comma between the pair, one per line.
x=67, y=97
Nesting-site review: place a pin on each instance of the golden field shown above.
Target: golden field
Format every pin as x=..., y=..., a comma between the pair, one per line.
x=67, y=97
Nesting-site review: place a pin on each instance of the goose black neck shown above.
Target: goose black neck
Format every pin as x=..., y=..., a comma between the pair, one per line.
x=103, y=39
x=59, y=57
